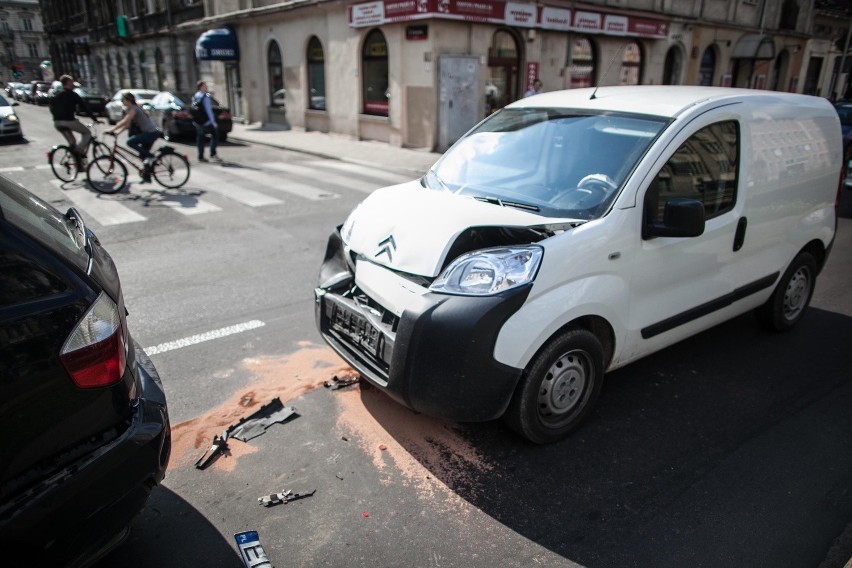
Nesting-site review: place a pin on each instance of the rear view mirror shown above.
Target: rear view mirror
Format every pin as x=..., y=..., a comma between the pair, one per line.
x=682, y=218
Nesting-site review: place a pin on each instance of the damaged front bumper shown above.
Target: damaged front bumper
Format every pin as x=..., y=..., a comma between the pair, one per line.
x=435, y=356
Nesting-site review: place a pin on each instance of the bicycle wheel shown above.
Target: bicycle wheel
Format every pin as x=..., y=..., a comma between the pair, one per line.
x=106, y=175
x=63, y=162
x=99, y=149
x=171, y=170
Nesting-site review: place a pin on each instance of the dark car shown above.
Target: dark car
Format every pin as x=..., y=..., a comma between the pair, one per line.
x=170, y=112
x=844, y=111
x=97, y=101
x=84, y=427
x=40, y=92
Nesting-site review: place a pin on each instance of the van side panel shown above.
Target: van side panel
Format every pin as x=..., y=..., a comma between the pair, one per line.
x=582, y=273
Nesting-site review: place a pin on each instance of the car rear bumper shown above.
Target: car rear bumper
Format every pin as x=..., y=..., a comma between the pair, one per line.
x=87, y=507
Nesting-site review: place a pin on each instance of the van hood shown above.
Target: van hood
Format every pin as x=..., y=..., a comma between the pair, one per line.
x=410, y=229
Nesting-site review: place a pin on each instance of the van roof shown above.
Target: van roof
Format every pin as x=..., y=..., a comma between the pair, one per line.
x=658, y=100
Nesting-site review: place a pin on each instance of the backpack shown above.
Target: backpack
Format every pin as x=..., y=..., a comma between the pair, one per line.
x=197, y=112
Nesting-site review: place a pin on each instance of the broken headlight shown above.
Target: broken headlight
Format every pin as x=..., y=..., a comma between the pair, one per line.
x=489, y=271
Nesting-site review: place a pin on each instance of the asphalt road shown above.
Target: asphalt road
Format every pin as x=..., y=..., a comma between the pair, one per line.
x=733, y=448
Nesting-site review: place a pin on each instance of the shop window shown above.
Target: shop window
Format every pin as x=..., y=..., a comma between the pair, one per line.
x=275, y=70
x=581, y=63
x=501, y=86
x=673, y=66
x=316, y=74
x=143, y=71
x=708, y=67
x=158, y=68
x=631, y=64
x=131, y=70
x=375, y=82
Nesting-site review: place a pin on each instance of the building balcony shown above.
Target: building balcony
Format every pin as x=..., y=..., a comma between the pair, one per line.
x=187, y=14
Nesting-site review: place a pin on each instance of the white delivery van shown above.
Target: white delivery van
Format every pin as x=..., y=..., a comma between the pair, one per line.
x=574, y=232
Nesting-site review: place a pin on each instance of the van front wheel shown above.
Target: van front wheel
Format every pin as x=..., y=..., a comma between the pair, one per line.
x=559, y=387
x=791, y=297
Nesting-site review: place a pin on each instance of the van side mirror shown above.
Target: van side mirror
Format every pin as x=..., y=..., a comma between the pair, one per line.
x=682, y=218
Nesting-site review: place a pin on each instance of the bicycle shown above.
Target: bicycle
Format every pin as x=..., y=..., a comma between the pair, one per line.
x=66, y=163
x=108, y=174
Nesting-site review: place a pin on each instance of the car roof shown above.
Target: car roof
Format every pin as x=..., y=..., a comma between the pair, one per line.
x=658, y=100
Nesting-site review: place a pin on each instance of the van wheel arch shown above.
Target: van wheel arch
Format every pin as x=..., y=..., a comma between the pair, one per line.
x=817, y=250
x=562, y=381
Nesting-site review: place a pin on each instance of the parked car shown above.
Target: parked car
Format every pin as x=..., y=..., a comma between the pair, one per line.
x=22, y=92
x=115, y=109
x=84, y=431
x=40, y=92
x=170, y=112
x=10, y=123
x=574, y=232
x=96, y=99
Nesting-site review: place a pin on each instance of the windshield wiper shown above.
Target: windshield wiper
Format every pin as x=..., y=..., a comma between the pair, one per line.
x=504, y=203
x=431, y=175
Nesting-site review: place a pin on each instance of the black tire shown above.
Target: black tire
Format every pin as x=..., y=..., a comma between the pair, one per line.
x=558, y=388
x=106, y=175
x=64, y=163
x=792, y=295
x=171, y=170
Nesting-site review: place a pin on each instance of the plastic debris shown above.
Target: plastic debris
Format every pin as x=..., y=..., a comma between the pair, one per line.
x=337, y=383
x=284, y=497
x=216, y=449
x=256, y=424
x=383, y=447
x=251, y=552
x=365, y=514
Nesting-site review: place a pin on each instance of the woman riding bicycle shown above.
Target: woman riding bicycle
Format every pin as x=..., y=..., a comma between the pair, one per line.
x=142, y=132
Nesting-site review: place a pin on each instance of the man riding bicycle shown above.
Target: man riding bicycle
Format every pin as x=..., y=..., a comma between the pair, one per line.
x=142, y=132
x=63, y=106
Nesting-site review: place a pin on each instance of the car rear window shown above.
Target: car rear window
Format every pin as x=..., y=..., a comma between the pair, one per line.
x=41, y=221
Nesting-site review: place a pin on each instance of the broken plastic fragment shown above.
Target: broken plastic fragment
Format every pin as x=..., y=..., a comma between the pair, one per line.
x=256, y=424
x=216, y=449
x=338, y=383
x=283, y=497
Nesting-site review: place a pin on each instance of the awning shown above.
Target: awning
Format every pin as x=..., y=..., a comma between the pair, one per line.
x=219, y=44
x=754, y=46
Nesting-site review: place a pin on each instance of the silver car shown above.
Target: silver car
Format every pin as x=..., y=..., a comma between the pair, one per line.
x=114, y=108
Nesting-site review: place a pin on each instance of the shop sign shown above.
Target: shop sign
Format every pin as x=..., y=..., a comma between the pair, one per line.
x=417, y=32
x=555, y=19
x=532, y=74
x=521, y=15
x=363, y=15
x=517, y=14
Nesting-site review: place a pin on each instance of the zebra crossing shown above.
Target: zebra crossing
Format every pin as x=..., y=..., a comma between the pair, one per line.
x=211, y=190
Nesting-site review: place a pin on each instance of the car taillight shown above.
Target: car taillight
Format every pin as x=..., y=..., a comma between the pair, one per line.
x=182, y=114
x=95, y=354
x=224, y=115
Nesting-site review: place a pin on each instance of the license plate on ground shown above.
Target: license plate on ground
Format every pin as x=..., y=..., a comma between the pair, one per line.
x=355, y=327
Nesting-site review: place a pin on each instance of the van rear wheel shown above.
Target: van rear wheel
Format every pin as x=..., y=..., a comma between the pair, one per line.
x=791, y=297
x=559, y=387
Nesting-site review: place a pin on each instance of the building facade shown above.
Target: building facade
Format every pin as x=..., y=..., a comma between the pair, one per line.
x=23, y=41
x=419, y=73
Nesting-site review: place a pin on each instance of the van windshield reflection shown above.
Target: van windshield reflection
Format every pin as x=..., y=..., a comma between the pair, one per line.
x=555, y=162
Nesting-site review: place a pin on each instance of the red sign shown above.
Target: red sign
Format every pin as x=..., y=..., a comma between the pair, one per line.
x=518, y=14
x=532, y=75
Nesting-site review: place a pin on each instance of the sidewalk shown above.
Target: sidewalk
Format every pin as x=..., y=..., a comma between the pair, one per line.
x=377, y=154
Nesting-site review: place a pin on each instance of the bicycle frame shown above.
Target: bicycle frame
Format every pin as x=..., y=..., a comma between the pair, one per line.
x=126, y=155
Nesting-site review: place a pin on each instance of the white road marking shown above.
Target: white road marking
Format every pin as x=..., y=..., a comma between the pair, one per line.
x=104, y=211
x=337, y=179
x=374, y=173
x=12, y=169
x=209, y=182
x=202, y=337
x=277, y=183
x=42, y=167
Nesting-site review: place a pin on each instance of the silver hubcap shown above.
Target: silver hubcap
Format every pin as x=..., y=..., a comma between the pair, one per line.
x=563, y=384
x=796, y=293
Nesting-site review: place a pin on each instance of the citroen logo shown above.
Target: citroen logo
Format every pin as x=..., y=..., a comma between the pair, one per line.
x=386, y=246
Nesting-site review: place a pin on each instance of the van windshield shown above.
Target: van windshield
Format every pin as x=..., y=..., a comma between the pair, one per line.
x=554, y=162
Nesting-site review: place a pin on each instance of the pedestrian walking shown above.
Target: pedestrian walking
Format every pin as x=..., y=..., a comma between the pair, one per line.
x=63, y=107
x=204, y=122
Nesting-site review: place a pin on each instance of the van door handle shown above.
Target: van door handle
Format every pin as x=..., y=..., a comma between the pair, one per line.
x=739, y=237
